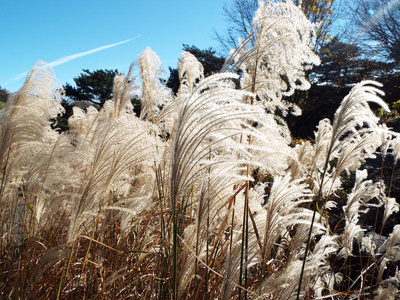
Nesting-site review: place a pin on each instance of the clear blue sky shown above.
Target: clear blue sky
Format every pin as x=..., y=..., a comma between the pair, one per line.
x=57, y=31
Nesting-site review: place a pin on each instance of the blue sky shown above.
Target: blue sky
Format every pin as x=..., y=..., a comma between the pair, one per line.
x=99, y=34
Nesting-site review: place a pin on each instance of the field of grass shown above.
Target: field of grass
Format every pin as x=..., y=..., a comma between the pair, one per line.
x=205, y=195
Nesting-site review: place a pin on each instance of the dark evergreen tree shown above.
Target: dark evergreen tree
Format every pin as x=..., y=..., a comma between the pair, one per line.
x=3, y=95
x=94, y=86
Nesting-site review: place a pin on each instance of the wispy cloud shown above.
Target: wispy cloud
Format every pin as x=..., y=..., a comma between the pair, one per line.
x=68, y=58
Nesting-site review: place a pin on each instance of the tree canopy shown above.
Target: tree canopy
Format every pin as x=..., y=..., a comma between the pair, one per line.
x=94, y=86
x=3, y=95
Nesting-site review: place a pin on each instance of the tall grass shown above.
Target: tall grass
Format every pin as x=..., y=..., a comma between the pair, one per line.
x=204, y=195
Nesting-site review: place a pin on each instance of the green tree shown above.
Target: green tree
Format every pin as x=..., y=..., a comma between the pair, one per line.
x=339, y=63
x=94, y=86
x=3, y=95
x=345, y=63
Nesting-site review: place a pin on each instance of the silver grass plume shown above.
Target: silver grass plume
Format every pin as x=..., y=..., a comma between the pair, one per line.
x=391, y=246
x=209, y=123
x=53, y=160
x=273, y=222
x=154, y=93
x=354, y=116
x=115, y=149
x=270, y=144
x=191, y=71
x=82, y=126
x=274, y=65
x=124, y=90
x=389, y=288
x=122, y=146
x=25, y=125
x=207, y=155
x=362, y=192
x=353, y=137
x=210, y=212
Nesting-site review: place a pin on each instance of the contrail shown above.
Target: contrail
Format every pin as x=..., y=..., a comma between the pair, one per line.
x=68, y=58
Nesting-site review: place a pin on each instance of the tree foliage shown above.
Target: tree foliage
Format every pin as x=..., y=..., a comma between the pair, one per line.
x=94, y=86
x=3, y=95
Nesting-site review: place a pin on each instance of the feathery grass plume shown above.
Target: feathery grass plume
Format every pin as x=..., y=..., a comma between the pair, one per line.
x=154, y=93
x=395, y=145
x=342, y=146
x=124, y=90
x=122, y=146
x=353, y=137
x=191, y=71
x=389, y=288
x=25, y=133
x=357, y=202
x=302, y=165
x=84, y=125
x=354, y=114
x=391, y=247
x=78, y=124
x=204, y=238
x=275, y=65
x=210, y=123
x=116, y=148
x=322, y=279
x=272, y=61
x=26, y=118
x=52, y=162
x=318, y=274
x=275, y=223
x=270, y=146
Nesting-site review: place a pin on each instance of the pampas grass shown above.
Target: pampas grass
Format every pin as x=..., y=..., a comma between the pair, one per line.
x=202, y=196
